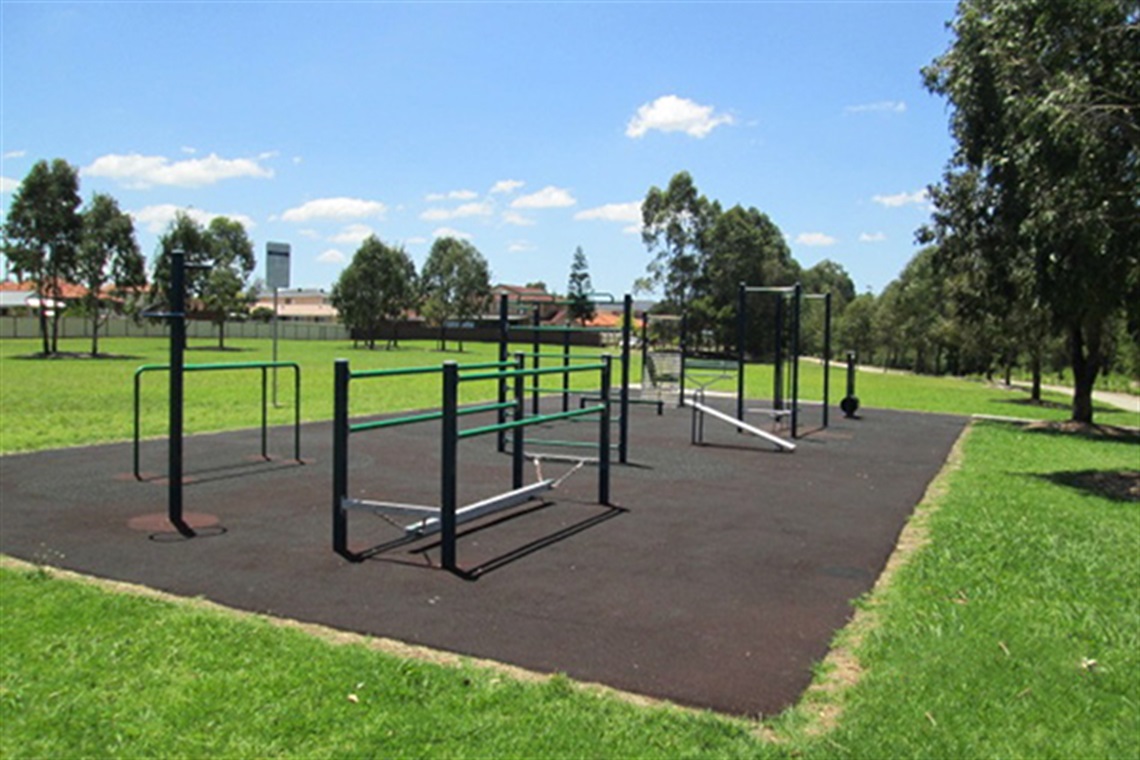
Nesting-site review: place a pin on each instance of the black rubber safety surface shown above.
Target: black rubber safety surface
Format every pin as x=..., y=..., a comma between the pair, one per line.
x=716, y=579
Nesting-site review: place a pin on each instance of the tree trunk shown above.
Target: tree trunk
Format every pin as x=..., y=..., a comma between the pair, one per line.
x=44, y=328
x=1085, y=355
x=222, y=335
x=1035, y=367
x=55, y=330
x=1008, y=374
x=95, y=335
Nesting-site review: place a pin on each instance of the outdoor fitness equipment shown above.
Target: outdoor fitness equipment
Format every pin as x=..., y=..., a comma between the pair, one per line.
x=850, y=402
x=176, y=316
x=565, y=332
x=700, y=410
x=445, y=518
x=794, y=295
x=263, y=366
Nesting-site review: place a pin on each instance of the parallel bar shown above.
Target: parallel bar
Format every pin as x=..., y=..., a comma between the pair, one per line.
x=472, y=432
x=427, y=417
x=480, y=508
x=780, y=442
x=397, y=371
x=763, y=289
x=532, y=372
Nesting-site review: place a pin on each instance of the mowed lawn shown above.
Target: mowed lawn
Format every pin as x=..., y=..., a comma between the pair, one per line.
x=1012, y=631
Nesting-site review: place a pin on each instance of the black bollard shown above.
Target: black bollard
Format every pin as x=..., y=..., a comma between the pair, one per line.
x=850, y=402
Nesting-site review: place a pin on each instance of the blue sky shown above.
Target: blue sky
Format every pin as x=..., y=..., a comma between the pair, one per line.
x=529, y=128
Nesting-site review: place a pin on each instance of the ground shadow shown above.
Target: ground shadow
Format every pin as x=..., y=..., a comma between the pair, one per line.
x=1117, y=485
x=474, y=572
x=77, y=356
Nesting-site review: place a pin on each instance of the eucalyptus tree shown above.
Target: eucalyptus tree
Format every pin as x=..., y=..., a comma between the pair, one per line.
x=1042, y=193
x=674, y=222
x=42, y=234
x=378, y=286
x=108, y=255
x=456, y=284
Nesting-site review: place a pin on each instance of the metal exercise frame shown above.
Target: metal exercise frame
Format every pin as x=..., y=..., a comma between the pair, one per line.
x=797, y=297
x=445, y=518
x=536, y=355
x=263, y=366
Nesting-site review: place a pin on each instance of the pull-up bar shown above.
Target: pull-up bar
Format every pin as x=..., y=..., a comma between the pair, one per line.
x=263, y=366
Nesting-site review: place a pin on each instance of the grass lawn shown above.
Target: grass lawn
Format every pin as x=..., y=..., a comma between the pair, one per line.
x=1014, y=631
x=44, y=409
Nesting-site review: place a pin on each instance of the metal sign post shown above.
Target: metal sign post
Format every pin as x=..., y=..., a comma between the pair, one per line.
x=276, y=277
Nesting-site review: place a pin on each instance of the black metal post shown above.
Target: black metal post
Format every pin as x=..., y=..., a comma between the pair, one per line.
x=504, y=340
x=797, y=303
x=265, y=413
x=741, y=334
x=177, y=299
x=536, y=347
x=518, y=442
x=623, y=421
x=684, y=350
x=778, y=359
x=604, y=434
x=826, y=356
x=566, y=375
x=340, y=459
x=297, y=414
x=449, y=462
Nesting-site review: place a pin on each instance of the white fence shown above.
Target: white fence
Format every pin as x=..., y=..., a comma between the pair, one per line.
x=75, y=327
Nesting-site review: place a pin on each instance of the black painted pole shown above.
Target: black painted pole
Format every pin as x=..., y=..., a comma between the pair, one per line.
x=626, y=341
x=177, y=299
x=741, y=331
x=449, y=462
x=504, y=339
x=826, y=356
x=797, y=305
x=340, y=458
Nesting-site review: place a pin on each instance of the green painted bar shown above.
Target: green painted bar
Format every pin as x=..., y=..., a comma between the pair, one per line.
x=573, y=357
x=531, y=372
x=397, y=371
x=471, y=433
x=426, y=417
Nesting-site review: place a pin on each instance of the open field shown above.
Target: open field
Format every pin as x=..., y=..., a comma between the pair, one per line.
x=42, y=409
x=1014, y=631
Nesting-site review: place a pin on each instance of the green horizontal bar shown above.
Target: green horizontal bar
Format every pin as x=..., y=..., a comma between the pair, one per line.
x=575, y=444
x=505, y=374
x=427, y=417
x=549, y=355
x=472, y=432
x=207, y=367
x=556, y=328
x=396, y=371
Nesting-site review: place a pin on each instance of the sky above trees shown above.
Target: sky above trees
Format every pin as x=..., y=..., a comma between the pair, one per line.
x=527, y=129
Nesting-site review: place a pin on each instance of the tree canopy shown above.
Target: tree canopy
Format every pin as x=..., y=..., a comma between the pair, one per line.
x=108, y=254
x=456, y=284
x=378, y=286
x=579, y=289
x=42, y=234
x=1041, y=198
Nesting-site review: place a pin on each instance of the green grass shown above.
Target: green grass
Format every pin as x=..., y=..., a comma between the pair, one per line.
x=55, y=403
x=1014, y=633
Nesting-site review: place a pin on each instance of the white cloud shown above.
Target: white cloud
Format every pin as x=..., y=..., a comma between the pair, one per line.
x=519, y=246
x=332, y=256
x=157, y=218
x=517, y=219
x=882, y=106
x=335, y=208
x=449, y=232
x=507, y=185
x=309, y=233
x=467, y=209
x=416, y=240
x=872, y=237
x=815, y=239
x=15, y=154
x=353, y=234
x=670, y=113
x=917, y=198
x=454, y=195
x=548, y=197
x=613, y=212
x=8, y=185
x=139, y=172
